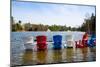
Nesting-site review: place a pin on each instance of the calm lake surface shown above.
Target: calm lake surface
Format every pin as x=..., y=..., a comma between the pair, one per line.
x=21, y=57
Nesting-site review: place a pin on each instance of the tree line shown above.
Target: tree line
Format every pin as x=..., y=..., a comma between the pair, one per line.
x=89, y=25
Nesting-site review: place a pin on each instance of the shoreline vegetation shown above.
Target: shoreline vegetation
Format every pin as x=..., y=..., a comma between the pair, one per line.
x=89, y=25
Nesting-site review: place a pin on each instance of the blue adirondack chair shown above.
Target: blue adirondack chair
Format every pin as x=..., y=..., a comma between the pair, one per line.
x=92, y=41
x=57, y=41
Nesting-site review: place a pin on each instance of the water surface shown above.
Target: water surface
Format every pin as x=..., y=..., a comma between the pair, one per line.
x=19, y=56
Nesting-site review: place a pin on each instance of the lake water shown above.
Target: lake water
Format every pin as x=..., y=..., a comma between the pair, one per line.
x=21, y=57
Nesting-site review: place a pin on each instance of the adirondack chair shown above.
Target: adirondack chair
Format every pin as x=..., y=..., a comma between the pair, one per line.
x=41, y=42
x=79, y=44
x=28, y=42
x=57, y=41
x=92, y=41
x=82, y=43
x=70, y=41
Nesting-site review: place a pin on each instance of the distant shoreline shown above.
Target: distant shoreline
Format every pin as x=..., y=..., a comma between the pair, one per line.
x=47, y=31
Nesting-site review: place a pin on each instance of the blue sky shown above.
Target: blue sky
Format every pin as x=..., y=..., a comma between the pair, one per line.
x=49, y=14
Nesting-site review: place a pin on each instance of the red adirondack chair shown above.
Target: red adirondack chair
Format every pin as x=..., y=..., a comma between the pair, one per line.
x=79, y=44
x=83, y=43
x=41, y=42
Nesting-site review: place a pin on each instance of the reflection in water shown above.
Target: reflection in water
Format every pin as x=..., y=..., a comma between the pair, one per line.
x=41, y=56
x=79, y=54
x=85, y=53
x=69, y=54
x=93, y=49
x=88, y=54
x=93, y=53
x=57, y=56
x=27, y=58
